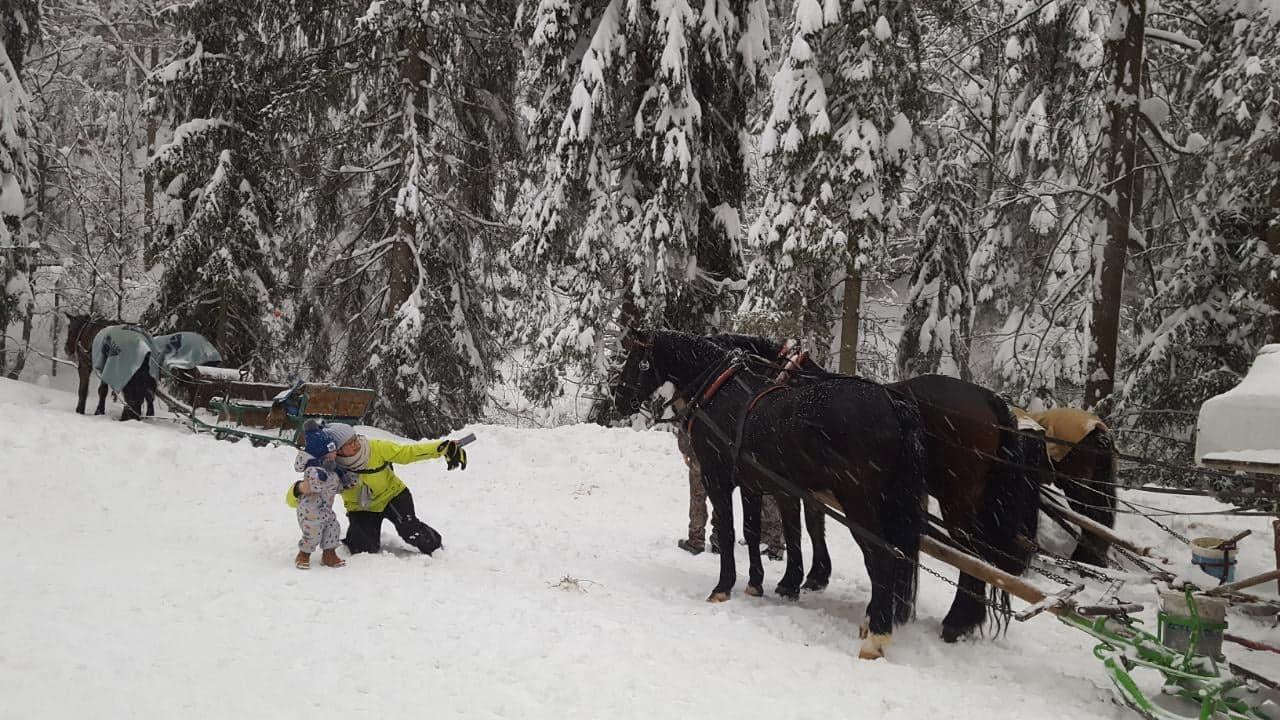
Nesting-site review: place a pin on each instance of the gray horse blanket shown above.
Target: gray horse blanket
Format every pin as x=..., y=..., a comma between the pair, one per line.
x=186, y=350
x=119, y=350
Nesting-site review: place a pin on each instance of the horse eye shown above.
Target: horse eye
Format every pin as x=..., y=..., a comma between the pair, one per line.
x=644, y=366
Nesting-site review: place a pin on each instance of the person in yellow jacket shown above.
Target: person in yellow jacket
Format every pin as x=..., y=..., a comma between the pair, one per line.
x=380, y=495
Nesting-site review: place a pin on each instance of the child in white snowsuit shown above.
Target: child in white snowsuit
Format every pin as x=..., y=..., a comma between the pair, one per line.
x=321, y=482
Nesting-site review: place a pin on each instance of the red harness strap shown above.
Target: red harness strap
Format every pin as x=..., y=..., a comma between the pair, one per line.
x=710, y=392
x=751, y=406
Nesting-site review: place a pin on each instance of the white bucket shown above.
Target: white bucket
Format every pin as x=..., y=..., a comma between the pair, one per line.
x=1207, y=554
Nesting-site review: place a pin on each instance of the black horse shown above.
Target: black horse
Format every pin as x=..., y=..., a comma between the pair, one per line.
x=987, y=492
x=80, y=334
x=845, y=436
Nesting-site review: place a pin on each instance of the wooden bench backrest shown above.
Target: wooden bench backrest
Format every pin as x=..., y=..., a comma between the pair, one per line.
x=332, y=401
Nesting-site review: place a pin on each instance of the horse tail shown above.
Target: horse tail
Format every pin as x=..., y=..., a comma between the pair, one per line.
x=1010, y=516
x=905, y=502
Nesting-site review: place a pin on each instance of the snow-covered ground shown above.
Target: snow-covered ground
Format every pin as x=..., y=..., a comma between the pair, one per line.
x=147, y=573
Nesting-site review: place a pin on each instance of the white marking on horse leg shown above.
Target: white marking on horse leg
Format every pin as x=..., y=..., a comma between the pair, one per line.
x=874, y=646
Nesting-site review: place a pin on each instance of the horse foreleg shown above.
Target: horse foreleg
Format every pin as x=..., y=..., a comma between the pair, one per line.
x=102, y=399
x=720, y=494
x=751, y=533
x=820, y=569
x=789, y=510
x=82, y=393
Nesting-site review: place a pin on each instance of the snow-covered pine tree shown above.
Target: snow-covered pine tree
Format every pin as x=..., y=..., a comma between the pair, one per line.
x=638, y=146
x=838, y=140
x=439, y=138
x=1218, y=302
x=936, y=326
x=19, y=26
x=217, y=244
x=1030, y=93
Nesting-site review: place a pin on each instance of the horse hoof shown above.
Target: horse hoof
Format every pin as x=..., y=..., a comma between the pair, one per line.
x=790, y=593
x=718, y=597
x=814, y=585
x=951, y=634
x=873, y=646
x=755, y=591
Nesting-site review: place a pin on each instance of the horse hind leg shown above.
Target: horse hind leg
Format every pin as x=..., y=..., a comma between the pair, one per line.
x=820, y=568
x=881, y=567
x=967, y=610
x=789, y=509
x=102, y=399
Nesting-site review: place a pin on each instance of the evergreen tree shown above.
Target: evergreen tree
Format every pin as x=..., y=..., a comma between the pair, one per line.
x=218, y=243
x=839, y=138
x=437, y=100
x=634, y=214
x=1217, y=304
x=19, y=24
x=937, y=321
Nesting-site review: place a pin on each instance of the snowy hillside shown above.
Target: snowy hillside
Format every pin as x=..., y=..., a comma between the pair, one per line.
x=148, y=574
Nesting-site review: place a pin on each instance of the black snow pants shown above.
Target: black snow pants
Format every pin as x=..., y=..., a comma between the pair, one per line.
x=364, y=528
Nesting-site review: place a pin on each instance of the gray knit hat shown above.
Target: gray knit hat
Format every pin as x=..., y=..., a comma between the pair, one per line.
x=340, y=433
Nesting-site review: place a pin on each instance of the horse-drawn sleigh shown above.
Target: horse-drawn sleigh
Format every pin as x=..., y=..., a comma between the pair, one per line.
x=205, y=396
x=866, y=455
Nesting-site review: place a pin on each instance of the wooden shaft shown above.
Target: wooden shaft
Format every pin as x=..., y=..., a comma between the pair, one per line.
x=1093, y=527
x=993, y=576
x=1242, y=584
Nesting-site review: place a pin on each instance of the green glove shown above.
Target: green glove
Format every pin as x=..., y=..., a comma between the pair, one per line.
x=454, y=455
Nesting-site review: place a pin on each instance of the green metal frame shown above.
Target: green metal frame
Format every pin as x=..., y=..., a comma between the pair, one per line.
x=1197, y=679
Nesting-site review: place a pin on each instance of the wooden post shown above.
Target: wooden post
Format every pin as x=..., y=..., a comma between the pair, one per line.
x=53, y=336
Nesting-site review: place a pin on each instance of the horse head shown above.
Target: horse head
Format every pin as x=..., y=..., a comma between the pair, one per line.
x=639, y=377
x=663, y=356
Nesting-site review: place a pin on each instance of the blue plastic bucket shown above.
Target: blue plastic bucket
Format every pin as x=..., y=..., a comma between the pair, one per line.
x=1207, y=554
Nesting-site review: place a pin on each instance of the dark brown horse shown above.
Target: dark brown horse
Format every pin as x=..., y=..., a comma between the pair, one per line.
x=988, y=495
x=80, y=334
x=81, y=331
x=844, y=436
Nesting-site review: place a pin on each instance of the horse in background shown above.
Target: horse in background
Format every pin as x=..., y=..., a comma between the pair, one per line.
x=127, y=360
x=845, y=436
x=976, y=470
x=1084, y=467
x=81, y=331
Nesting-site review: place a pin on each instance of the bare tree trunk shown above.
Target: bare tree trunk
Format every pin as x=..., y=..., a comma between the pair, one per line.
x=149, y=181
x=1123, y=175
x=851, y=320
x=53, y=334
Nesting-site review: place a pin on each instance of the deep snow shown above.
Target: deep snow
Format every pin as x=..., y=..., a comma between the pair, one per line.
x=148, y=574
